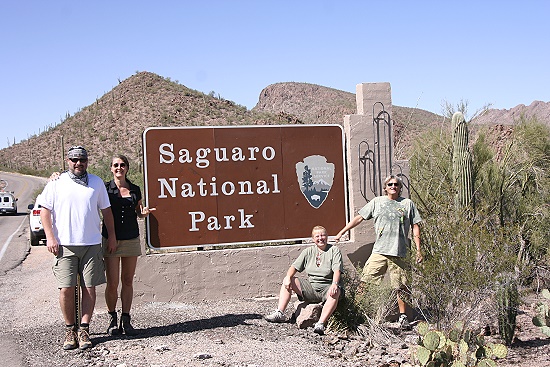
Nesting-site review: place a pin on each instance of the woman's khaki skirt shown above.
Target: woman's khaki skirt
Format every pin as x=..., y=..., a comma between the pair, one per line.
x=124, y=248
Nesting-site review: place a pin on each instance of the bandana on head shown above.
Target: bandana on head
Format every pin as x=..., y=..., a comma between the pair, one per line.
x=77, y=152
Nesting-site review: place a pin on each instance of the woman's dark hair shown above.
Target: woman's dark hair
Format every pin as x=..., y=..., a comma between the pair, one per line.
x=122, y=158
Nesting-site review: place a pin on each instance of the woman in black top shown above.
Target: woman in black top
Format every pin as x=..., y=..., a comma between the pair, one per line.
x=120, y=262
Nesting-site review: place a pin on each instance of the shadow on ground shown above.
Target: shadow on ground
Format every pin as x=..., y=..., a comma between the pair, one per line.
x=224, y=321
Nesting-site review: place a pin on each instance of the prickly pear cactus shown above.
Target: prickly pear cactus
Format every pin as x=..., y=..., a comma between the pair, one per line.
x=486, y=363
x=431, y=340
x=422, y=328
x=542, y=319
x=499, y=351
x=423, y=355
x=454, y=335
x=437, y=349
x=462, y=163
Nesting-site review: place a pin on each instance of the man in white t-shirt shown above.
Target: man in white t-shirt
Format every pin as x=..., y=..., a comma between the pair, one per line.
x=70, y=215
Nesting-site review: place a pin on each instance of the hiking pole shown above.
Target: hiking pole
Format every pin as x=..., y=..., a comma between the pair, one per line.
x=77, y=303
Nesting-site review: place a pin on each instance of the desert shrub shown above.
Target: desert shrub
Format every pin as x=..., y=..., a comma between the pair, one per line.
x=348, y=314
x=363, y=303
x=377, y=301
x=464, y=256
x=364, y=308
x=461, y=261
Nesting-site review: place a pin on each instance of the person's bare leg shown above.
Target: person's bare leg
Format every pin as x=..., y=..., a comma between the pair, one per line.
x=401, y=304
x=111, y=290
x=88, y=304
x=127, y=277
x=285, y=294
x=330, y=305
x=67, y=303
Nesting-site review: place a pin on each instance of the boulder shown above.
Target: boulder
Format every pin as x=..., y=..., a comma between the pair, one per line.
x=307, y=314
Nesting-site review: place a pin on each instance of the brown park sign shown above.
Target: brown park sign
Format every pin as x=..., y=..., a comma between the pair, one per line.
x=247, y=184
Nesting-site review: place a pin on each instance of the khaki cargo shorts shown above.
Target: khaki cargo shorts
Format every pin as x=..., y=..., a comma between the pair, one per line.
x=84, y=260
x=309, y=294
x=377, y=265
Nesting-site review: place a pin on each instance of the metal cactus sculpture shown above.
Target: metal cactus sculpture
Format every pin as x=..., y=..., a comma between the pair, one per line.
x=462, y=164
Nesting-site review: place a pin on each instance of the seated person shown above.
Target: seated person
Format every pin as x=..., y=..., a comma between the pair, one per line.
x=323, y=265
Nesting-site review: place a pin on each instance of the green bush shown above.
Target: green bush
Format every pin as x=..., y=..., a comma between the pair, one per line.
x=463, y=255
x=348, y=314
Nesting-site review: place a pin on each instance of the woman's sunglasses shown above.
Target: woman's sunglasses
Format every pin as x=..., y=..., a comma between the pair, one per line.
x=122, y=165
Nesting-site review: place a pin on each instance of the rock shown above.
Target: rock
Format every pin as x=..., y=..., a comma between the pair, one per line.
x=307, y=314
x=202, y=356
x=412, y=339
x=351, y=349
x=161, y=348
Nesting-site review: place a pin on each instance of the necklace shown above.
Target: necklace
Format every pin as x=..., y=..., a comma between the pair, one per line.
x=318, y=259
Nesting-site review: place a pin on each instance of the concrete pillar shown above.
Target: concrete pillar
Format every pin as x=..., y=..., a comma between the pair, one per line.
x=371, y=99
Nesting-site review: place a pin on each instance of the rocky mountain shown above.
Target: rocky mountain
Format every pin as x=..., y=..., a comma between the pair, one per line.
x=115, y=122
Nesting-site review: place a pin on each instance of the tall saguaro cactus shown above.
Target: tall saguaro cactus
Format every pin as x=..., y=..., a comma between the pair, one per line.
x=462, y=164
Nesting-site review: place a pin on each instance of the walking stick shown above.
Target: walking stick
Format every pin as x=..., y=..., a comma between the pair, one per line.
x=77, y=303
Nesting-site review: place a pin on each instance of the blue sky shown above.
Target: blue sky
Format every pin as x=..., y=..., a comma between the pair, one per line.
x=59, y=56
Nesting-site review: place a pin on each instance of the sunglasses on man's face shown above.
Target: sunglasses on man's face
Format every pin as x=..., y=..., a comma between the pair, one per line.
x=121, y=165
x=393, y=184
x=82, y=160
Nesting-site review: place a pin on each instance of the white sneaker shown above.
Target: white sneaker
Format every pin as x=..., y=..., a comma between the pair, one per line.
x=276, y=316
x=404, y=322
x=319, y=328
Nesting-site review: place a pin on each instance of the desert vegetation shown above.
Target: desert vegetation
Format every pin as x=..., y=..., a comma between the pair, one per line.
x=486, y=217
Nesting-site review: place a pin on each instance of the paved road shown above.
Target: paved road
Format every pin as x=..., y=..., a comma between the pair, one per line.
x=14, y=229
x=14, y=248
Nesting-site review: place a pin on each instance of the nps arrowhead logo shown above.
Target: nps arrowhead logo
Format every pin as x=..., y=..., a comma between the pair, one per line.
x=315, y=176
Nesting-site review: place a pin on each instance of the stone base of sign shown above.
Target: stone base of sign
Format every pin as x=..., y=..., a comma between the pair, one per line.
x=219, y=274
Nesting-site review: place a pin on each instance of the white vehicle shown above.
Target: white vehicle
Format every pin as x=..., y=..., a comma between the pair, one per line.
x=8, y=203
x=35, y=224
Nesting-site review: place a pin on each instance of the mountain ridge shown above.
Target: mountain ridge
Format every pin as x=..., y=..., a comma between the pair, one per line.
x=115, y=122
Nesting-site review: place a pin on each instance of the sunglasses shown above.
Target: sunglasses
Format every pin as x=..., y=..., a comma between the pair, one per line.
x=393, y=184
x=82, y=160
x=122, y=165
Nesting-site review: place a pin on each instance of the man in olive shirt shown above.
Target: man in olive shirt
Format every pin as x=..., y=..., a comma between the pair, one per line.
x=393, y=216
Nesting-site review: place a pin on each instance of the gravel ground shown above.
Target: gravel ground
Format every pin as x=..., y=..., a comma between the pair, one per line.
x=222, y=333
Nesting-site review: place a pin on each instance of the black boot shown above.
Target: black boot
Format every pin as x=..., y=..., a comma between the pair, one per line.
x=126, y=326
x=113, y=328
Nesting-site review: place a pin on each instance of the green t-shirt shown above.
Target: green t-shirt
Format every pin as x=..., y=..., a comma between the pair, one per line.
x=319, y=276
x=392, y=221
